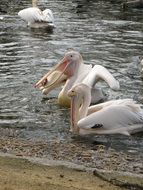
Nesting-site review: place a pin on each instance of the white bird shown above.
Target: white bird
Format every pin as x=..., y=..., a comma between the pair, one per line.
x=121, y=116
x=37, y=18
x=72, y=70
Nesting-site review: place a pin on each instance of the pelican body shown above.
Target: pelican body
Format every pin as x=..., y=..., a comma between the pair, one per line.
x=111, y=117
x=71, y=70
x=37, y=18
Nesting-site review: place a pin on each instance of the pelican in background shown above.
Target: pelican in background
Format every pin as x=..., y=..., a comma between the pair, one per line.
x=71, y=70
x=112, y=117
x=37, y=18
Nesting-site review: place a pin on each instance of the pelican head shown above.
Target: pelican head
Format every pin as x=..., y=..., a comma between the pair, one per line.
x=65, y=69
x=80, y=100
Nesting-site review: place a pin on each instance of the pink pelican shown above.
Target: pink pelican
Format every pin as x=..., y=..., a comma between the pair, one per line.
x=121, y=116
x=71, y=70
x=37, y=18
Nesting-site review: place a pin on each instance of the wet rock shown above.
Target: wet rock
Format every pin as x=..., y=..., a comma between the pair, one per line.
x=133, y=4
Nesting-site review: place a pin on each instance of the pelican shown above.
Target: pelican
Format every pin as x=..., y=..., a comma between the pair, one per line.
x=37, y=18
x=71, y=70
x=121, y=116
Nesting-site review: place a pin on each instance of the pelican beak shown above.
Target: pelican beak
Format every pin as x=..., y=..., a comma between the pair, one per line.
x=56, y=76
x=54, y=80
x=75, y=105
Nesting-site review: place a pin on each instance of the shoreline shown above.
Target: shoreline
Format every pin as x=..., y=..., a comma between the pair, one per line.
x=19, y=174
x=37, y=173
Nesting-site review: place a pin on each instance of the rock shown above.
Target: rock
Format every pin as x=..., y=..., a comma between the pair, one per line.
x=133, y=4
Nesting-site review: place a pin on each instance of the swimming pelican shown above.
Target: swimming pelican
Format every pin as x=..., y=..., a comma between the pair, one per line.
x=112, y=117
x=72, y=70
x=37, y=18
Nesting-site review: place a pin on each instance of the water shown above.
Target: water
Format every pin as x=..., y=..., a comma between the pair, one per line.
x=100, y=30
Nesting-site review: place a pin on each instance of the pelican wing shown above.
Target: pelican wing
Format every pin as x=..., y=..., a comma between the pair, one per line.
x=121, y=119
x=126, y=102
x=31, y=15
x=48, y=16
x=99, y=72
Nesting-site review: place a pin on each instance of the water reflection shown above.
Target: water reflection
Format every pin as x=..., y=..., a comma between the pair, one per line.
x=102, y=32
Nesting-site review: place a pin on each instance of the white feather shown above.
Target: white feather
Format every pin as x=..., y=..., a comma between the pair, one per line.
x=112, y=117
x=99, y=72
x=34, y=14
x=118, y=116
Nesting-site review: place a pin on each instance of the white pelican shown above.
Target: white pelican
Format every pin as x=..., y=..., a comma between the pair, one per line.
x=112, y=117
x=37, y=18
x=72, y=70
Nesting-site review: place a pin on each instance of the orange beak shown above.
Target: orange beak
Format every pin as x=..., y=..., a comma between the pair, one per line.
x=63, y=66
x=59, y=67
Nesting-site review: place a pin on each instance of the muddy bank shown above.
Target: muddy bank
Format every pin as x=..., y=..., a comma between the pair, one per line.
x=19, y=174
x=82, y=151
x=35, y=173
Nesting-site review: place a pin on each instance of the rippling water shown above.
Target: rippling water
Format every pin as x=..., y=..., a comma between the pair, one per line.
x=101, y=31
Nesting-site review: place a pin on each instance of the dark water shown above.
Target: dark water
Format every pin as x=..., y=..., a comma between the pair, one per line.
x=100, y=30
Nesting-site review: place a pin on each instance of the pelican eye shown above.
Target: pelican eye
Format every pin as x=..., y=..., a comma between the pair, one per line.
x=71, y=55
x=71, y=93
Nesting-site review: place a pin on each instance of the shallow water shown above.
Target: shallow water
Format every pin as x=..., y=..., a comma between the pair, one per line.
x=100, y=30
